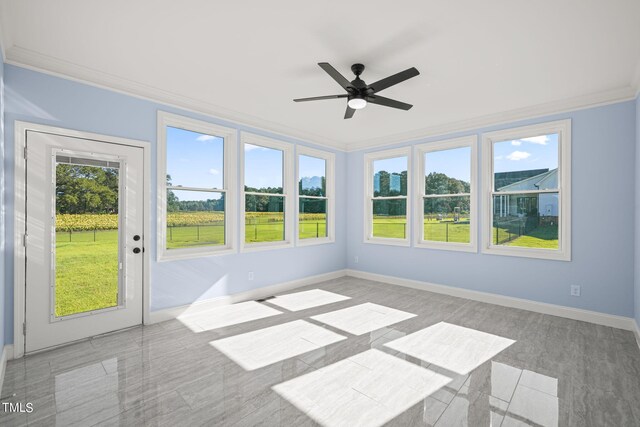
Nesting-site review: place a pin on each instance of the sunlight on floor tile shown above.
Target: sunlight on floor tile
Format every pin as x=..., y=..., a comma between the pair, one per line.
x=532, y=406
x=307, y=299
x=363, y=318
x=227, y=315
x=370, y=388
x=504, y=379
x=451, y=347
x=257, y=349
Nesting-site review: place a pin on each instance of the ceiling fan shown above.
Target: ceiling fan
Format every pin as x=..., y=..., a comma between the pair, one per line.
x=359, y=93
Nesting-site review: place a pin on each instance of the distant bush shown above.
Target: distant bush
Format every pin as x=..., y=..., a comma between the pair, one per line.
x=90, y=222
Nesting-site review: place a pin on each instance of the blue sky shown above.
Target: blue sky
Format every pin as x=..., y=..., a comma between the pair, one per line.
x=262, y=166
x=310, y=167
x=194, y=159
x=539, y=152
x=455, y=163
x=393, y=165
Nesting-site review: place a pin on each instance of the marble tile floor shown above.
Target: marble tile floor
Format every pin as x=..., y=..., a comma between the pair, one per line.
x=537, y=369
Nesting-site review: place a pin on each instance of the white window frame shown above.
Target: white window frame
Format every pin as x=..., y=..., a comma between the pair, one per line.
x=229, y=179
x=287, y=192
x=369, y=158
x=563, y=129
x=330, y=184
x=419, y=155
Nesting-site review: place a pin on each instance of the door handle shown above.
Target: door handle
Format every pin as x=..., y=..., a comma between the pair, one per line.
x=136, y=250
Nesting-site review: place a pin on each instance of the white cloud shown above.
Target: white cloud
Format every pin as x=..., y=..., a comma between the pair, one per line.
x=540, y=140
x=214, y=171
x=518, y=155
x=204, y=138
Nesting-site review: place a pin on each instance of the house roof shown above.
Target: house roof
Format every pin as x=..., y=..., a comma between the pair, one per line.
x=502, y=179
x=543, y=181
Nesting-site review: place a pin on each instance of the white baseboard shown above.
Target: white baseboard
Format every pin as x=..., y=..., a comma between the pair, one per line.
x=174, y=312
x=7, y=354
x=619, y=322
x=604, y=319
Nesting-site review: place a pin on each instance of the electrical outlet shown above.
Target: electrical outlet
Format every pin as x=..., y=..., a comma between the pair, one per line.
x=251, y=275
x=355, y=259
x=575, y=290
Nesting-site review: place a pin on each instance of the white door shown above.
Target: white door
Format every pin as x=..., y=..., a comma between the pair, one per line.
x=84, y=242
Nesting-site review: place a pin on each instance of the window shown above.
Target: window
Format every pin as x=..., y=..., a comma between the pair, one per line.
x=267, y=184
x=446, y=182
x=528, y=191
x=315, y=196
x=387, y=181
x=195, y=197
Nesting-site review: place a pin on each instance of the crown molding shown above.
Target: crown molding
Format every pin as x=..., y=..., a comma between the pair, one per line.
x=32, y=60
x=49, y=65
x=506, y=117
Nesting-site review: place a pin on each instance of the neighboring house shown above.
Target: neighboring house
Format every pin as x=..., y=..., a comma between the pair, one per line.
x=546, y=204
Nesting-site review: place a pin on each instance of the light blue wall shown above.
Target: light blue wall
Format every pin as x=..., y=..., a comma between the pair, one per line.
x=40, y=98
x=2, y=210
x=637, y=215
x=603, y=163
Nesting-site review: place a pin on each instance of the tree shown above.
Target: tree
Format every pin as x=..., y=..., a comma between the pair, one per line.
x=172, y=199
x=86, y=189
x=439, y=183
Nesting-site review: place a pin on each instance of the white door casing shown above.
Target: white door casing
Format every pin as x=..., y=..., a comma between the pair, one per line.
x=43, y=328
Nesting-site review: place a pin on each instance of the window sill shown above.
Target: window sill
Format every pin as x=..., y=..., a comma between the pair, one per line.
x=388, y=242
x=267, y=246
x=315, y=241
x=456, y=247
x=548, y=254
x=189, y=253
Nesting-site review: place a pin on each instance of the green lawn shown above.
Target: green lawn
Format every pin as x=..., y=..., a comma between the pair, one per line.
x=86, y=271
x=545, y=237
x=439, y=231
x=195, y=235
x=447, y=231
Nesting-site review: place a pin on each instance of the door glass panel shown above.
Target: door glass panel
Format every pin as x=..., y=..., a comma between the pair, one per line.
x=86, y=231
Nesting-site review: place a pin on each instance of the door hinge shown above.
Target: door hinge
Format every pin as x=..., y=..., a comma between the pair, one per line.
x=25, y=152
x=24, y=329
x=24, y=240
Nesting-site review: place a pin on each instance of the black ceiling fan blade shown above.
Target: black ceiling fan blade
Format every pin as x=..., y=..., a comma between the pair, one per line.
x=335, y=75
x=387, y=102
x=319, y=98
x=349, y=113
x=394, y=79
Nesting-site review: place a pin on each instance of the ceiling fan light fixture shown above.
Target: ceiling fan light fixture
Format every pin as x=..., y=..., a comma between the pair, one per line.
x=357, y=103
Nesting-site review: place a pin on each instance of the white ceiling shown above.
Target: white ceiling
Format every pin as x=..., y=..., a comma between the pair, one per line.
x=479, y=61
